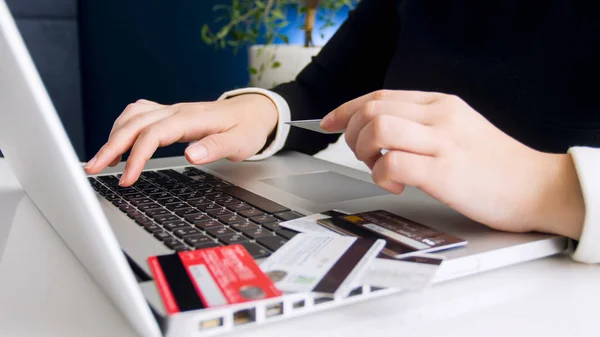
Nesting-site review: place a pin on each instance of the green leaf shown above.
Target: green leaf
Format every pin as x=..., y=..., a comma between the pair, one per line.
x=253, y=71
x=284, y=38
x=278, y=14
x=276, y=65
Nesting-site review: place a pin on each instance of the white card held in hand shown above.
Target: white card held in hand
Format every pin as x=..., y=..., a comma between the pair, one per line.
x=413, y=273
x=312, y=125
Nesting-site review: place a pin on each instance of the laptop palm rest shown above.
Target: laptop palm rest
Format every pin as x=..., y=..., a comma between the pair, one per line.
x=325, y=187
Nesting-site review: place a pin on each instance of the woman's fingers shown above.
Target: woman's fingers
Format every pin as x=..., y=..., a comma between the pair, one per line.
x=123, y=138
x=396, y=169
x=416, y=113
x=339, y=118
x=386, y=132
x=184, y=126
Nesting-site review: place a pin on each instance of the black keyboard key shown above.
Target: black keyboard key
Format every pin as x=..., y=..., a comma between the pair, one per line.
x=183, y=232
x=231, y=239
x=134, y=213
x=254, y=199
x=206, y=224
x=111, y=196
x=257, y=233
x=173, y=225
x=209, y=191
x=198, y=240
x=232, y=219
x=151, y=190
x=208, y=245
x=118, y=202
x=142, y=185
x=141, y=201
x=160, y=195
x=149, y=207
x=217, y=213
x=191, y=196
x=207, y=207
x=142, y=220
x=132, y=196
x=255, y=250
x=215, y=195
x=169, y=200
x=239, y=206
x=272, y=242
x=180, y=191
x=163, y=219
x=226, y=201
x=219, y=231
x=243, y=226
x=102, y=191
x=175, y=175
x=125, y=190
x=152, y=228
x=109, y=180
x=150, y=175
x=156, y=212
x=182, y=212
x=271, y=225
x=193, y=218
x=176, y=205
x=126, y=208
x=290, y=215
x=252, y=212
x=286, y=233
x=174, y=244
x=162, y=236
x=263, y=219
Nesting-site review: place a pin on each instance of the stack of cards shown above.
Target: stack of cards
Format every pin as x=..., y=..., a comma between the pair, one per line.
x=405, y=262
x=404, y=237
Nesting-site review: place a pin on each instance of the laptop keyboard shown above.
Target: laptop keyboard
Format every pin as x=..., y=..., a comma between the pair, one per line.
x=193, y=210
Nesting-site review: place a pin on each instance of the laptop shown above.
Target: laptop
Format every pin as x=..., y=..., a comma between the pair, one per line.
x=112, y=230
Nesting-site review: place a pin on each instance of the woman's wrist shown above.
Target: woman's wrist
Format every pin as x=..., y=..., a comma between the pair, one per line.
x=561, y=208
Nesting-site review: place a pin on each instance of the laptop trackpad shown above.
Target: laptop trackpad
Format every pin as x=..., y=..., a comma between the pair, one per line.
x=325, y=187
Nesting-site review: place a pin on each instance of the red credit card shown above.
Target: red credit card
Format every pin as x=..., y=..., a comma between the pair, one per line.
x=209, y=278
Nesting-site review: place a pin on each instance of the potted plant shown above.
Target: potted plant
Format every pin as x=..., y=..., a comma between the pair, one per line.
x=259, y=24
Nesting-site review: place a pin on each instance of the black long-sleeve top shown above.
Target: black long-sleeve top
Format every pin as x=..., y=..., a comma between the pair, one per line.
x=530, y=67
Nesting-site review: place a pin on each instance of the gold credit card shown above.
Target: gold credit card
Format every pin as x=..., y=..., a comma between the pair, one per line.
x=312, y=125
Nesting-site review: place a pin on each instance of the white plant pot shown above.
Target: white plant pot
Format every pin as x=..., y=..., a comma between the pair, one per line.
x=292, y=59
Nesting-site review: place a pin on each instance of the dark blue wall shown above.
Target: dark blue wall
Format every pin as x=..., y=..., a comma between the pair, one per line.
x=149, y=49
x=49, y=29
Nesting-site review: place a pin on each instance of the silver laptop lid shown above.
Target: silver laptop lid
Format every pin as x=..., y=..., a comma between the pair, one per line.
x=38, y=150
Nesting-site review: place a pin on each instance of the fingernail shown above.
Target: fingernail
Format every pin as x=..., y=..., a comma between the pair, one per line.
x=122, y=179
x=197, y=152
x=326, y=122
x=90, y=163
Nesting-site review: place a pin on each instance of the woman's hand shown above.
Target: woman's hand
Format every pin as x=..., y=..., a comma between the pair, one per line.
x=442, y=146
x=236, y=129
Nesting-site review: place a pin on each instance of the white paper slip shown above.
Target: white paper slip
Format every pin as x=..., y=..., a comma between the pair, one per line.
x=311, y=224
x=414, y=273
x=323, y=264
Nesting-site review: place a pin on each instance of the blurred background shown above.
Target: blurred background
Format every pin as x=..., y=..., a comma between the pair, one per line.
x=95, y=57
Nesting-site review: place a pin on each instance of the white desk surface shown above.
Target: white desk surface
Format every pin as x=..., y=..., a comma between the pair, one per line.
x=44, y=291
